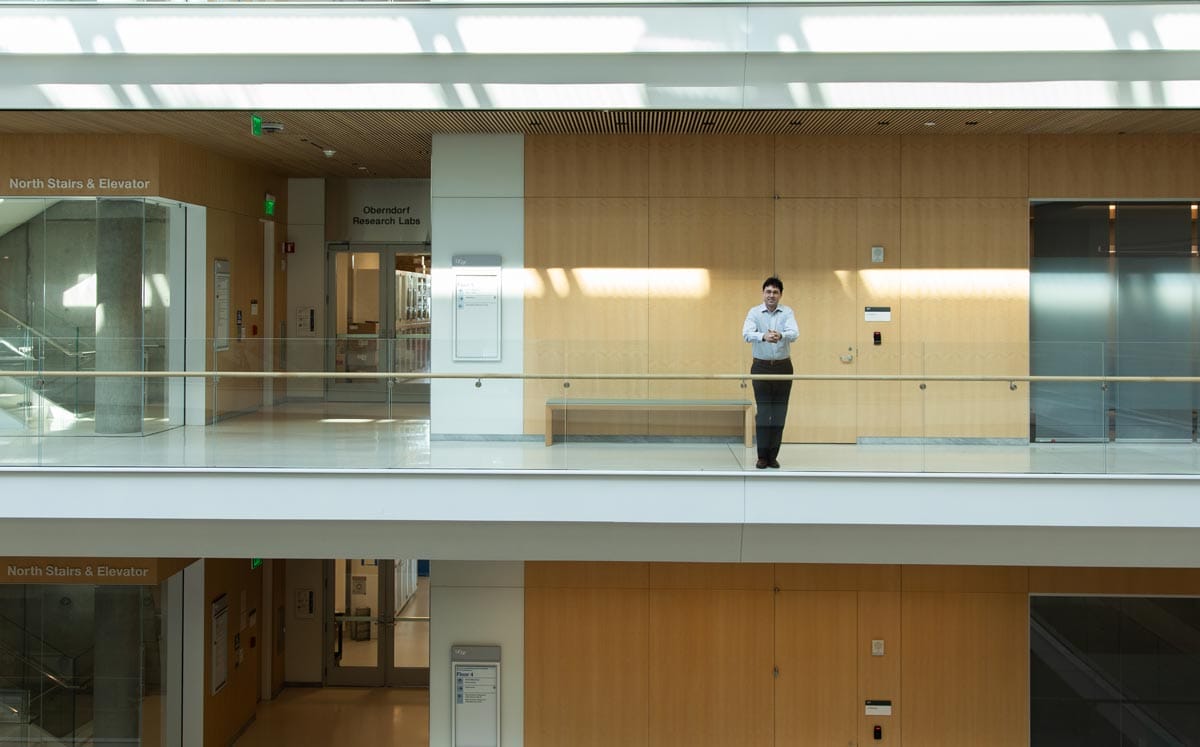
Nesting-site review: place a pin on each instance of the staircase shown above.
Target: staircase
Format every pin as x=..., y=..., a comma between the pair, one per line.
x=44, y=693
x=31, y=406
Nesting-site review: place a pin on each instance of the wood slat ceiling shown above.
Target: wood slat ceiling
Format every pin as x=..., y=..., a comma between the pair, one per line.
x=397, y=143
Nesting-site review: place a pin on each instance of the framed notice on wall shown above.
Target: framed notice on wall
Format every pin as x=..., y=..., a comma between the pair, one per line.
x=222, y=290
x=220, y=643
x=476, y=307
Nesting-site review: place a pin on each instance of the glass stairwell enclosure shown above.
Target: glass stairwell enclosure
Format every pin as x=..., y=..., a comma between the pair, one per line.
x=81, y=665
x=87, y=284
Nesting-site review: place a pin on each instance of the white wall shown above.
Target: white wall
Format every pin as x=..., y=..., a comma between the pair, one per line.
x=198, y=272
x=478, y=186
x=303, y=643
x=477, y=603
x=177, y=255
x=306, y=284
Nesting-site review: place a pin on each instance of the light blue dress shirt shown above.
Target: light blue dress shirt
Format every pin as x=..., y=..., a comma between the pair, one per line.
x=759, y=321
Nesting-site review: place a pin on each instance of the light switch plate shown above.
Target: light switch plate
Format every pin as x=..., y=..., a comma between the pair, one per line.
x=877, y=647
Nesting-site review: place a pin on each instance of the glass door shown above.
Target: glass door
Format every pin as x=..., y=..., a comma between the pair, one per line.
x=377, y=624
x=379, y=300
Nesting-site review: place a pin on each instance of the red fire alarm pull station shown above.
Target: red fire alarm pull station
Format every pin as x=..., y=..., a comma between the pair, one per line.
x=878, y=733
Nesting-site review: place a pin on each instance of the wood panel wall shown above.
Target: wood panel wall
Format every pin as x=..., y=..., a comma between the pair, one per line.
x=231, y=710
x=721, y=212
x=684, y=653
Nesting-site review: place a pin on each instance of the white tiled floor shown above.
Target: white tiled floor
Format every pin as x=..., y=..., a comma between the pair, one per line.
x=356, y=436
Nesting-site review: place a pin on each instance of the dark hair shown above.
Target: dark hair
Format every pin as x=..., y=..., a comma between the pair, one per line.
x=773, y=281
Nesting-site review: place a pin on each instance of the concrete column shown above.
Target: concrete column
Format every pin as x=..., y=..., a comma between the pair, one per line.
x=119, y=226
x=118, y=674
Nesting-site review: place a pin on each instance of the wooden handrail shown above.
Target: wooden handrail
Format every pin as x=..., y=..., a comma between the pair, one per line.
x=405, y=375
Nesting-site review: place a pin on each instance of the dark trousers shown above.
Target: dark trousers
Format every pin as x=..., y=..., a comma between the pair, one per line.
x=772, y=400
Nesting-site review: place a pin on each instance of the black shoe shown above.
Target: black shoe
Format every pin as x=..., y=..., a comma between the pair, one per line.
x=773, y=463
x=762, y=464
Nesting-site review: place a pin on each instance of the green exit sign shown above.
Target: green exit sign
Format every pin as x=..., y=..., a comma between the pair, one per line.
x=255, y=563
x=255, y=124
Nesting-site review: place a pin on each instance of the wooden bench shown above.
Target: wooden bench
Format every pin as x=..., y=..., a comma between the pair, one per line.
x=746, y=407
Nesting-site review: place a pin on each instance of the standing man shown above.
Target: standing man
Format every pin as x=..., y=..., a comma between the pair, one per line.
x=770, y=328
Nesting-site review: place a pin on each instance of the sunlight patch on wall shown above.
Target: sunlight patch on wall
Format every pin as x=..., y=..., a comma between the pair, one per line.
x=82, y=295
x=948, y=284
x=621, y=282
x=558, y=281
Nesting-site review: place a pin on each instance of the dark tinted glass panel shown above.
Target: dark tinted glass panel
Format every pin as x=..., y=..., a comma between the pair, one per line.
x=1070, y=229
x=1114, y=672
x=1156, y=229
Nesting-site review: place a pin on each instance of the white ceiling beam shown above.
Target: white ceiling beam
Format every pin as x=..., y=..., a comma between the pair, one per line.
x=622, y=56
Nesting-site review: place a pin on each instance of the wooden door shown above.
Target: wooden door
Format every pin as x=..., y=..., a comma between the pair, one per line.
x=815, y=250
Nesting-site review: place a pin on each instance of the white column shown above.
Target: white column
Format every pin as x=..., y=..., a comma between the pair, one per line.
x=199, y=270
x=478, y=205
x=477, y=603
x=196, y=621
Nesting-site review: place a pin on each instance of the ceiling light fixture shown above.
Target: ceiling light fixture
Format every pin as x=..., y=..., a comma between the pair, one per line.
x=931, y=124
x=329, y=152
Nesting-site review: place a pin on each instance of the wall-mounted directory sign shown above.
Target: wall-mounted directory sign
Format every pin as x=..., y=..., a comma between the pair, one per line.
x=475, y=675
x=222, y=290
x=476, y=307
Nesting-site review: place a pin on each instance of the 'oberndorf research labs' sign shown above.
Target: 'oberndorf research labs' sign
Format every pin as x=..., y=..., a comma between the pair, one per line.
x=391, y=210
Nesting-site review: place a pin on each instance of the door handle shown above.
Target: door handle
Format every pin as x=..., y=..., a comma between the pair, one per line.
x=848, y=356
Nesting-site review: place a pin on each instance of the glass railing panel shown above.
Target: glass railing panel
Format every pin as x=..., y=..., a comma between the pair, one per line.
x=621, y=405
x=1069, y=411
x=977, y=427
x=16, y=356
x=944, y=408
x=1154, y=410
x=965, y=418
